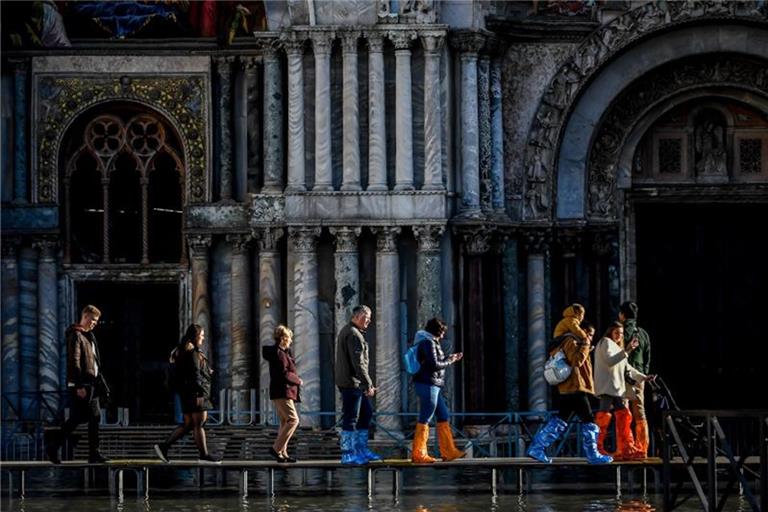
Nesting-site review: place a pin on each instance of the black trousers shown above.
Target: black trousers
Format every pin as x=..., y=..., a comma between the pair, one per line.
x=577, y=403
x=83, y=410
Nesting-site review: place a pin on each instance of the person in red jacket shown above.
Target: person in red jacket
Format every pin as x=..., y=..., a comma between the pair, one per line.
x=284, y=387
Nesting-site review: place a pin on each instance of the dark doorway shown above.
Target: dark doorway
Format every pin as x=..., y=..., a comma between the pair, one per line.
x=137, y=331
x=702, y=280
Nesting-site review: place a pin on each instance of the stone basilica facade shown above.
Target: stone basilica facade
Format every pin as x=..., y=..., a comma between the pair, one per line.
x=482, y=161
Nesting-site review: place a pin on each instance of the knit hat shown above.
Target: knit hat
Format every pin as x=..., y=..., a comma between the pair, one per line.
x=628, y=309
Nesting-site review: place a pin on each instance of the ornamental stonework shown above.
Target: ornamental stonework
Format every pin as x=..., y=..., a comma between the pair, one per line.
x=182, y=99
x=585, y=61
x=630, y=106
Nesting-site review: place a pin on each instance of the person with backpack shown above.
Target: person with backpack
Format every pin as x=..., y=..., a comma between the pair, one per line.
x=429, y=381
x=574, y=391
x=191, y=377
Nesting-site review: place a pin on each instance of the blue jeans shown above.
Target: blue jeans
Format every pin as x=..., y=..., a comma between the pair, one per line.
x=432, y=403
x=356, y=410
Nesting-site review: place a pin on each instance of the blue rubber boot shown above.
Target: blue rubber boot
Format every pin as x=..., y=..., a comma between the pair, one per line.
x=547, y=435
x=361, y=444
x=349, y=454
x=589, y=432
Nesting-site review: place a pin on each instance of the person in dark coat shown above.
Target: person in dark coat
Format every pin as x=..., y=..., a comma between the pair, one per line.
x=83, y=378
x=284, y=388
x=429, y=382
x=191, y=378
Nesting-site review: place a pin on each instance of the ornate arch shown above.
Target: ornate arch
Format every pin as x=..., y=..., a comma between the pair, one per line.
x=725, y=72
x=587, y=62
x=182, y=100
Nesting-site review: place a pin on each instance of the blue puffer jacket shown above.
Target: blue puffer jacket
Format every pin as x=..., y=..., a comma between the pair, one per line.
x=432, y=360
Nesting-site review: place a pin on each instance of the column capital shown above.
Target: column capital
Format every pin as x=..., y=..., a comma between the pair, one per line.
x=239, y=242
x=322, y=42
x=304, y=239
x=346, y=238
x=568, y=242
x=47, y=247
x=10, y=247
x=293, y=43
x=432, y=42
x=269, y=51
x=468, y=41
x=250, y=63
x=375, y=40
x=476, y=241
x=20, y=65
x=224, y=63
x=428, y=237
x=199, y=245
x=402, y=39
x=386, y=238
x=349, y=41
x=537, y=241
x=268, y=238
x=603, y=244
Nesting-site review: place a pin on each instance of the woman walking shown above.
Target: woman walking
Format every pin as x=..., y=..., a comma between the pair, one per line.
x=429, y=381
x=574, y=399
x=192, y=380
x=284, y=386
x=611, y=371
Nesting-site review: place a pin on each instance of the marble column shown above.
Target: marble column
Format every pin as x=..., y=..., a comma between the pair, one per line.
x=294, y=49
x=346, y=273
x=241, y=313
x=377, y=133
x=511, y=299
x=497, y=140
x=105, y=223
x=403, y=110
x=537, y=335
x=305, y=318
x=388, y=352
x=484, y=131
x=270, y=305
x=224, y=74
x=199, y=246
x=475, y=243
x=428, y=272
x=20, y=164
x=273, y=121
x=322, y=43
x=253, y=120
x=568, y=244
x=469, y=44
x=433, y=141
x=351, y=118
x=10, y=329
x=48, y=323
x=28, y=343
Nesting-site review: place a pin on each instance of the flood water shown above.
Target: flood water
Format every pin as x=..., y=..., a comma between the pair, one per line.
x=345, y=491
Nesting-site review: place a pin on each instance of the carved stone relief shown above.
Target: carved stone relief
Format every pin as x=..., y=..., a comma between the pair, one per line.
x=584, y=62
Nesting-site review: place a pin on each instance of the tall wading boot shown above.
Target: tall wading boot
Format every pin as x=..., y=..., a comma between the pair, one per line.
x=603, y=421
x=589, y=433
x=547, y=435
x=361, y=445
x=625, y=442
x=448, y=450
x=349, y=453
x=641, y=437
x=419, y=452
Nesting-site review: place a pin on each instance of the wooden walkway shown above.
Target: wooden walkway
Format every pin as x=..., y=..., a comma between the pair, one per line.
x=17, y=470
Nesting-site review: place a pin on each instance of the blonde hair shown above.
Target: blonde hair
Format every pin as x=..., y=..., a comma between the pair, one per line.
x=282, y=333
x=91, y=310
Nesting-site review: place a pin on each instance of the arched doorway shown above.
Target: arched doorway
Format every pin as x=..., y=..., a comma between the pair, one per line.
x=122, y=199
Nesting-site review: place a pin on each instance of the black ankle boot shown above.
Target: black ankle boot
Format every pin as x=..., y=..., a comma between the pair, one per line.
x=279, y=458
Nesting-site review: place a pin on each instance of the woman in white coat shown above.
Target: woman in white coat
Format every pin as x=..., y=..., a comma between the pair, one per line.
x=610, y=370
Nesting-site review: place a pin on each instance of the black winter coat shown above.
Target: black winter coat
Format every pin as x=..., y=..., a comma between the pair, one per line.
x=194, y=377
x=432, y=360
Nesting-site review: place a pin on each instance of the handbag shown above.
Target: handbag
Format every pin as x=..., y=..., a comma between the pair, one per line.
x=557, y=369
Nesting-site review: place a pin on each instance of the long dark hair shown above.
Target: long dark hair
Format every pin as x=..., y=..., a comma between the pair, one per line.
x=193, y=331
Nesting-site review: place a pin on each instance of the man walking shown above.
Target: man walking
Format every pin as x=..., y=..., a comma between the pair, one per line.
x=83, y=382
x=640, y=360
x=356, y=387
